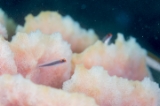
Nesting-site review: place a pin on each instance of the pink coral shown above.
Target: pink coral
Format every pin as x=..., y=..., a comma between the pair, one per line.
x=51, y=22
x=31, y=50
x=7, y=63
x=124, y=58
x=113, y=91
x=17, y=91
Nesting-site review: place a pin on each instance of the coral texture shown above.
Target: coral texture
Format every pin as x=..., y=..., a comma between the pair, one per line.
x=51, y=22
x=31, y=50
x=37, y=68
x=113, y=91
x=7, y=63
x=124, y=58
x=17, y=91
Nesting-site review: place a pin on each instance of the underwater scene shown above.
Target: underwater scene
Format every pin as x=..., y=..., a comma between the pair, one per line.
x=79, y=53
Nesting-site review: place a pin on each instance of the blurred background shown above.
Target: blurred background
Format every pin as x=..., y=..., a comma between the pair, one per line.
x=137, y=18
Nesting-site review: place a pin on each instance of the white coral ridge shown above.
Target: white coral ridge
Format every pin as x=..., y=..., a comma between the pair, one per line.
x=17, y=91
x=113, y=91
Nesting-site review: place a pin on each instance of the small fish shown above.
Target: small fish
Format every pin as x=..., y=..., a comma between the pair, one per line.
x=53, y=63
x=107, y=38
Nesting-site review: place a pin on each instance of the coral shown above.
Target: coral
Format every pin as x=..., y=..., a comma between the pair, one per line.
x=51, y=22
x=17, y=91
x=7, y=63
x=31, y=50
x=37, y=68
x=124, y=58
x=113, y=91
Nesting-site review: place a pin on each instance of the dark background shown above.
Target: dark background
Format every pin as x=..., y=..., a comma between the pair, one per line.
x=138, y=18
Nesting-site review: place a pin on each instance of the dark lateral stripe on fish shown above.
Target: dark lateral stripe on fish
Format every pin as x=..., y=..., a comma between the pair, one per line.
x=53, y=63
